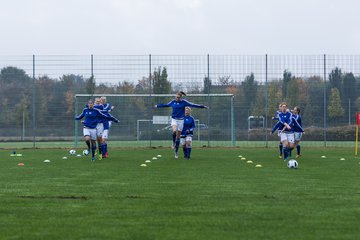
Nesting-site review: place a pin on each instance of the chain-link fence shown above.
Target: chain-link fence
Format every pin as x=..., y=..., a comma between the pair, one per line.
x=38, y=103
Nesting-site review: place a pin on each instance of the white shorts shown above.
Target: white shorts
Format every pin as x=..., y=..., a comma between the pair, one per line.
x=178, y=123
x=298, y=136
x=183, y=140
x=99, y=129
x=105, y=134
x=90, y=132
x=287, y=137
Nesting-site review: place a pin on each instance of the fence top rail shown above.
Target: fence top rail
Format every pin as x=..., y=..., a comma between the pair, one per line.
x=154, y=95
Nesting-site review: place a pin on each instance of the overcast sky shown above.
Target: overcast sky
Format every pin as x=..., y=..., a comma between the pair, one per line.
x=119, y=27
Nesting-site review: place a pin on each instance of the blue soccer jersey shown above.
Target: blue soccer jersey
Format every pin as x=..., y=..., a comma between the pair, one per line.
x=105, y=109
x=178, y=107
x=297, y=123
x=93, y=116
x=189, y=126
x=276, y=117
x=286, y=118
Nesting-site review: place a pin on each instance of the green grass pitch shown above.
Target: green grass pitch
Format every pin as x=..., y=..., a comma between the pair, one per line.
x=215, y=195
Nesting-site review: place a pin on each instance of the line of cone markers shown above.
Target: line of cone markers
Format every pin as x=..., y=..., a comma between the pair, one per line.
x=149, y=161
x=155, y=158
x=249, y=161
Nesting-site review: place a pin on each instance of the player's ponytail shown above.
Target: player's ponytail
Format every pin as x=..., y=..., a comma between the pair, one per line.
x=182, y=93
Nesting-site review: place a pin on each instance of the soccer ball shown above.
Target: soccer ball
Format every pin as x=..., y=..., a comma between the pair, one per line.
x=72, y=151
x=292, y=163
x=85, y=152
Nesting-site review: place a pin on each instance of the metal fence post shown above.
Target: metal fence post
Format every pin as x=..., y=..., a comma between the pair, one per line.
x=76, y=122
x=209, y=90
x=324, y=100
x=266, y=102
x=150, y=84
x=233, y=140
x=33, y=102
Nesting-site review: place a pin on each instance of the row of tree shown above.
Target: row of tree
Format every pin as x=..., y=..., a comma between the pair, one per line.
x=55, y=97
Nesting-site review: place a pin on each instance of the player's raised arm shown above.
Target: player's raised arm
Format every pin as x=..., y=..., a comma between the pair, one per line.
x=81, y=115
x=276, y=126
x=194, y=105
x=107, y=116
x=160, y=105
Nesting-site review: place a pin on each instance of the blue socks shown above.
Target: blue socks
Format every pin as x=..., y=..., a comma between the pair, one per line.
x=177, y=143
x=103, y=148
x=185, y=151
x=188, y=150
x=93, y=150
x=88, y=144
x=281, y=149
x=286, y=153
x=174, y=138
x=298, y=149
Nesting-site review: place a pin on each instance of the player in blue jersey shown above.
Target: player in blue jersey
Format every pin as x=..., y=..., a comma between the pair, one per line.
x=298, y=129
x=187, y=133
x=177, y=117
x=107, y=108
x=100, y=126
x=276, y=117
x=92, y=118
x=285, y=127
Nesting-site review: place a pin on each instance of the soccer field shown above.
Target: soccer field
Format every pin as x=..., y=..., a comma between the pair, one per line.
x=215, y=195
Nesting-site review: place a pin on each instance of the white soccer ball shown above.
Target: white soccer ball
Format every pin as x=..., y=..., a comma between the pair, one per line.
x=292, y=163
x=72, y=151
x=86, y=152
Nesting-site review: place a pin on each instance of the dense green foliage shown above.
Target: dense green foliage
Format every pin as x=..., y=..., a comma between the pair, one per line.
x=47, y=102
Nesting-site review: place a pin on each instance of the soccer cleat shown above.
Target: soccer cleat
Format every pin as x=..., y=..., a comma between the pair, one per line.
x=93, y=159
x=106, y=155
x=187, y=158
x=176, y=155
x=280, y=156
x=299, y=155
